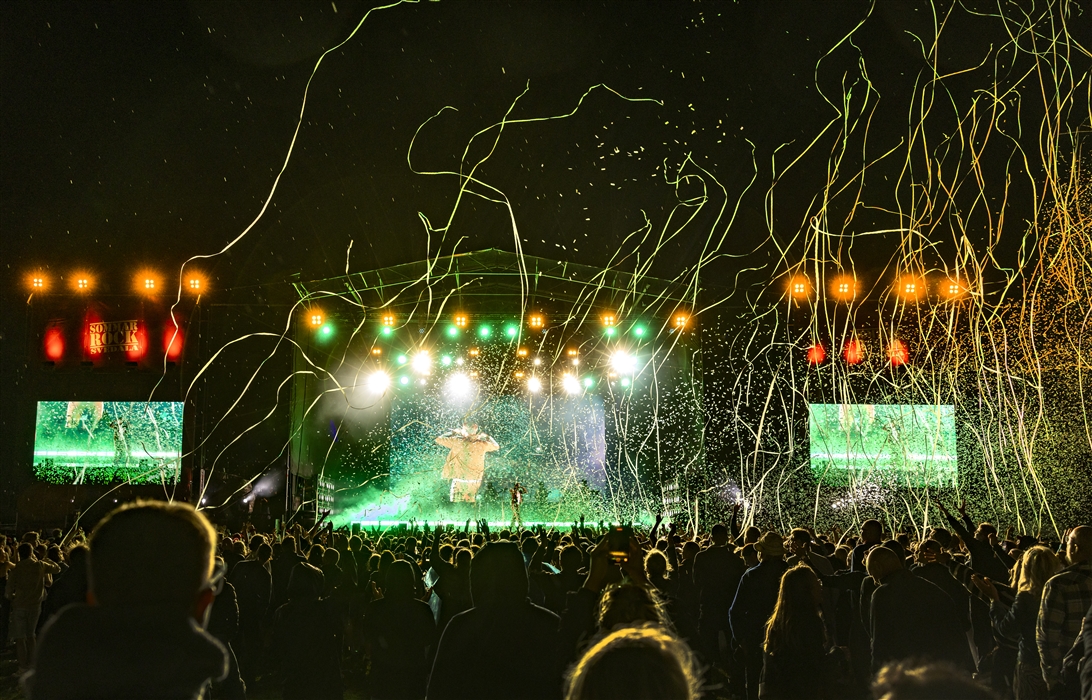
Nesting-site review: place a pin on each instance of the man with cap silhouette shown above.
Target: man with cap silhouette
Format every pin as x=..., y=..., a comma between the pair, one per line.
x=754, y=603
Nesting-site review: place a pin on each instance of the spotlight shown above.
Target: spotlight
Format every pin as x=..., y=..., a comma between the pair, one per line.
x=639, y=331
x=681, y=320
x=194, y=284
x=521, y=352
x=473, y=352
x=387, y=330
x=511, y=330
x=82, y=282
x=461, y=320
x=854, y=352
x=377, y=351
x=459, y=385
x=378, y=382
x=388, y=319
x=953, y=288
x=898, y=353
x=403, y=380
x=570, y=384
x=316, y=318
x=588, y=382
x=519, y=375
x=910, y=288
x=37, y=282
x=453, y=331
x=484, y=332
x=609, y=319
x=625, y=382
x=326, y=331
x=816, y=353
x=799, y=286
x=534, y=385
x=610, y=331
x=623, y=362
x=445, y=360
x=401, y=359
x=146, y=282
x=844, y=288
x=537, y=361
x=536, y=321
x=422, y=363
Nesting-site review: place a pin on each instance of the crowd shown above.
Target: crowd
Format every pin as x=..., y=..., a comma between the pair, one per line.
x=156, y=603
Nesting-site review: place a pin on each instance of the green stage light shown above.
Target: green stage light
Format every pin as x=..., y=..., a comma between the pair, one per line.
x=387, y=330
x=401, y=359
x=485, y=331
x=326, y=331
x=511, y=331
x=639, y=331
x=453, y=331
x=404, y=381
x=588, y=382
x=625, y=381
x=610, y=331
x=445, y=360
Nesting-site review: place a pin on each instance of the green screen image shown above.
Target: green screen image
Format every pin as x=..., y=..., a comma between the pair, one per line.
x=913, y=445
x=78, y=442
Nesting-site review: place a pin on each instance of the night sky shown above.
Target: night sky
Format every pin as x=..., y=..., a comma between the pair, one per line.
x=141, y=134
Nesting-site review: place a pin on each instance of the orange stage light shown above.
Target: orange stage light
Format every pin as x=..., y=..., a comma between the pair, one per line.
x=816, y=353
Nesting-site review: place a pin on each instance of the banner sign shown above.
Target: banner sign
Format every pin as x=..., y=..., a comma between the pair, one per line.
x=114, y=336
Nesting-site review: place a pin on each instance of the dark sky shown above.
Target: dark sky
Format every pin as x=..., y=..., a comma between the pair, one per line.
x=144, y=133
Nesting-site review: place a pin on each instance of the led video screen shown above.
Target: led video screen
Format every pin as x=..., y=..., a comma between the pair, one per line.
x=99, y=442
x=914, y=445
x=554, y=446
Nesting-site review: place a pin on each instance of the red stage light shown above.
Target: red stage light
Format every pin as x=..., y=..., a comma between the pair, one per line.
x=54, y=344
x=898, y=353
x=854, y=352
x=172, y=341
x=816, y=354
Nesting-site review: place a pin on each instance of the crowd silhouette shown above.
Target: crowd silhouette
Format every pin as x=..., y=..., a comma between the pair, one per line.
x=155, y=603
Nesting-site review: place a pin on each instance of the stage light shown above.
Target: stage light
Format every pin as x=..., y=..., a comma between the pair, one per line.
x=898, y=353
x=537, y=361
x=378, y=382
x=953, y=288
x=459, y=385
x=521, y=352
x=534, y=385
x=639, y=331
x=401, y=359
x=511, y=331
x=146, y=282
x=453, y=331
x=194, y=283
x=681, y=320
x=387, y=331
x=623, y=362
x=82, y=282
x=473, y=352
x=54, y=343
x=484, y=332
x=610, y=331
x=799, y=286
x=377, y=351
x=625, y=382
x=816, y=353
x=422, y=363
x=37, y=282
x=588, y=382
x=388, y=319
x=854, y=352
x=326, y=331
x=403, y=380
x=459, y=361
x=445, y=360
x=316, y=318
x=461, y=320
x=570, y=384
x=609, y=319
x=910, y=288
x=844, y=287
x=536, y=321
x=574, y=356
x=519, y=375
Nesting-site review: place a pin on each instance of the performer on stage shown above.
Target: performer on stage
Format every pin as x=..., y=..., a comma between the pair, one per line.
x=465, y=464
x=516, y=493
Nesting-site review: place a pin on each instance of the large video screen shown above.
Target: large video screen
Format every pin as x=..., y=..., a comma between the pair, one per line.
x=77, y=442
x=913, y=445
x=554, y=446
